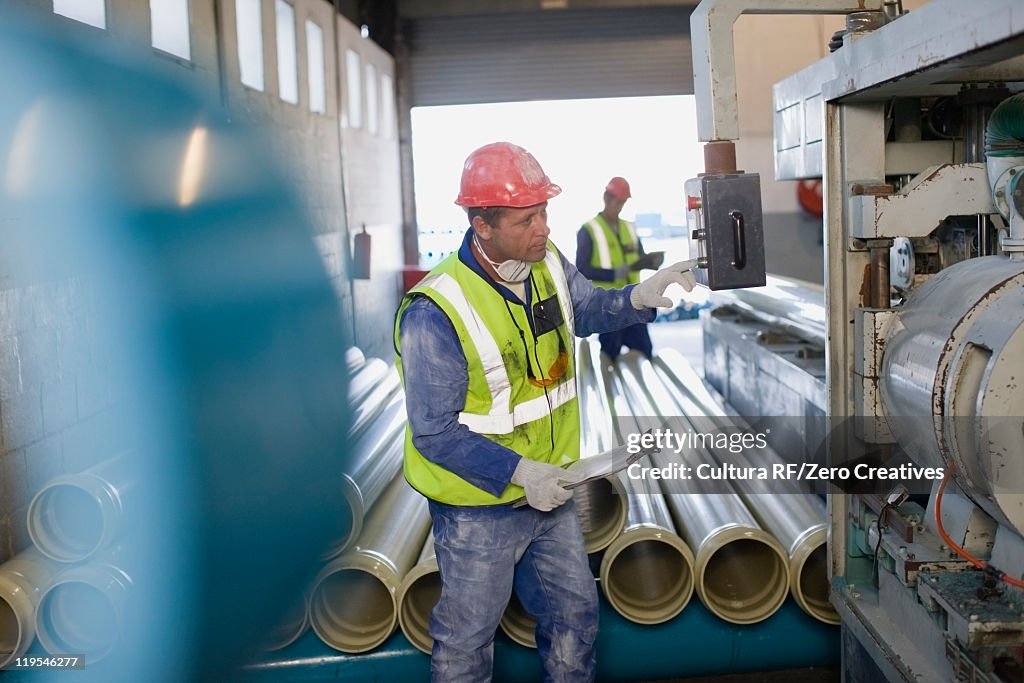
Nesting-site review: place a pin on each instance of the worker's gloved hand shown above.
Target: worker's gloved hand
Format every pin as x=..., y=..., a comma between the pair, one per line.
x=621, y=272
x=651, y=292
x=543, y=483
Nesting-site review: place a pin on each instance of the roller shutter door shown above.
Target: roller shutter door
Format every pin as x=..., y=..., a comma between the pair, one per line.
x=544, y=55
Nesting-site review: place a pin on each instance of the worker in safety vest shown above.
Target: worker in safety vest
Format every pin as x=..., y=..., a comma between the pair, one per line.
x=486, y=351
x=611, y=255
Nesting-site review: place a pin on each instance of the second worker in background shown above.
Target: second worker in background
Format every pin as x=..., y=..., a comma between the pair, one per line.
x=609, y=253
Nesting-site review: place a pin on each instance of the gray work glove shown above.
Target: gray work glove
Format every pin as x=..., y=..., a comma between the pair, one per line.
x=543, y=483
x=621, y=272
x=651, y=292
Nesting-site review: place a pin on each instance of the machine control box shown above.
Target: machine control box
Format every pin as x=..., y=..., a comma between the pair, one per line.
x=726, y=230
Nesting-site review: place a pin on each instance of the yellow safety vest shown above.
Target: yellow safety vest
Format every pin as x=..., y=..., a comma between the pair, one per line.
x=501, y=403
x=608, y=251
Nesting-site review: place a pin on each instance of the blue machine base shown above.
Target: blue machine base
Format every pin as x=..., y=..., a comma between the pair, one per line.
x=695, y=643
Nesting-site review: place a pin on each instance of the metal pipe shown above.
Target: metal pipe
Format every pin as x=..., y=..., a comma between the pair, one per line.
x=74, y=516
x=797, y=519
x=353, y=605
x=600, y=504
x=742, y=573
x=647, y=572
x=83, y=610
x=363, y=380
x=293, y=625
x=23, y=579
x=419, y=592
x=518, y=624
x=354, y=359
x=372, y=463
x=374, y=402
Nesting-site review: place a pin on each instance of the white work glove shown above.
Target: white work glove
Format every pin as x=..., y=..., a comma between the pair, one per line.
x=543, y=483
x=651, y=292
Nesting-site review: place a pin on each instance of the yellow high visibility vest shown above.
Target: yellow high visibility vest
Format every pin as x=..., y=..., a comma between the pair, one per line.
x=501, y=403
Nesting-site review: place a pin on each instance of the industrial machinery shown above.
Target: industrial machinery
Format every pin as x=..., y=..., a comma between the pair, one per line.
x=914, y=127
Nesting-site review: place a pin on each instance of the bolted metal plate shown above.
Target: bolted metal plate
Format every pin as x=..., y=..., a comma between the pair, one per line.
x=730, y=238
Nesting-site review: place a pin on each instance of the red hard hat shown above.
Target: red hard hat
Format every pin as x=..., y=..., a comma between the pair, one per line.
x=503, y=174
x=618, y=188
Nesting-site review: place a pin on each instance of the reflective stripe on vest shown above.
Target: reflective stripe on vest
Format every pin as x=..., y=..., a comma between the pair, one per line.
x=604, y=254
x=497, y=376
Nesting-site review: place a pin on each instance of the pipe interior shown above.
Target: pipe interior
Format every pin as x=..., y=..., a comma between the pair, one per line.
x=353, y=610
x=518, y=623
x=744, y=579
x=597, y=506
x=814, y=586
x=417, y=604
x=10, y=631
x=650, y=576
x=77, y=617
x=70, y=521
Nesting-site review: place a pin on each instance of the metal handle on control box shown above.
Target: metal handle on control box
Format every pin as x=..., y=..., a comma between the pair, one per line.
x=739, y=244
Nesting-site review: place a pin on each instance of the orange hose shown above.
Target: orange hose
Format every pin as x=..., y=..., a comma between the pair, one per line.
x=980, y=564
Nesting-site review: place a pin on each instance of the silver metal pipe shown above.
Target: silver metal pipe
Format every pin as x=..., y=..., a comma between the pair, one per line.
x=23, y=580
x=797, y=519
x=647, y=572
x=293, y=625
x=742, y=572
x=600, y=504
x=83, y=610
x=353, y=604
x=373, y=402
x=419, y=592
x=363, y=380
x=373, y=461
x=75, y=516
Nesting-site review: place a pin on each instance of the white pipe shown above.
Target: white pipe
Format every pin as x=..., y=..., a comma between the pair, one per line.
x=83, y=611
x=74, y=516
x=23, y=579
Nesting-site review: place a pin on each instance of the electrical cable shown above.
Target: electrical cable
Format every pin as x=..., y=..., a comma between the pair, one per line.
x=980, y=564
x=878, y=543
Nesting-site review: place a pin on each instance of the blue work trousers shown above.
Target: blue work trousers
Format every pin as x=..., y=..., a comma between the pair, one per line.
x=632, y=337
x=482, y=553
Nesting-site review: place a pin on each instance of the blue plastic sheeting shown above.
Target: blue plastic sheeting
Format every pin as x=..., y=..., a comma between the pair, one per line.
x=696, y=643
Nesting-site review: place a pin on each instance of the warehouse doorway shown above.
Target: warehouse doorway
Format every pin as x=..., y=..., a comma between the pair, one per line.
x=582, y=143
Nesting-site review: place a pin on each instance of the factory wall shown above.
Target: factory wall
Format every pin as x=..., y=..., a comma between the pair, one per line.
x=54, y=398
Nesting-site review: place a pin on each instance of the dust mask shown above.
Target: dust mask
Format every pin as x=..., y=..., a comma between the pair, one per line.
x=511, y=270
